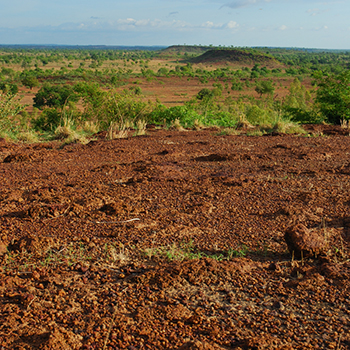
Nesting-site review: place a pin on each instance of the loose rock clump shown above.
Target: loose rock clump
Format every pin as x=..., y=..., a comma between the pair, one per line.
x=303, y=242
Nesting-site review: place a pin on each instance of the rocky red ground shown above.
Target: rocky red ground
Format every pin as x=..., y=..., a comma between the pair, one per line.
x=176, y=240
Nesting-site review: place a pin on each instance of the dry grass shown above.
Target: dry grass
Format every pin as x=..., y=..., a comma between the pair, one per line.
x=141, y=127
x=243, y=123
x=68, y=135
x=65, y=130
x=198, y=125
x=176, y=125
x=230, y=131
x=28, y=136
x=288, y=127
x=345, y=124
x=118, y=130
x=91, y=127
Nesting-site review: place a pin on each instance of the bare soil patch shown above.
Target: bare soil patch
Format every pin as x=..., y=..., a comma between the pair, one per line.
x=176, y=240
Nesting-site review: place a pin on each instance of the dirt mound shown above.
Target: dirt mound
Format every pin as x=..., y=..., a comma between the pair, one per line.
x=304, y=242
x=235, y=56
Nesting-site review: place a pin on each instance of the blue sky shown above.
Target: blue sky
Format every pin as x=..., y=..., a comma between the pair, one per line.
x=296, y=23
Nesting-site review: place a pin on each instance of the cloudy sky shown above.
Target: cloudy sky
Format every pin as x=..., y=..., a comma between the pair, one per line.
x=286, y=23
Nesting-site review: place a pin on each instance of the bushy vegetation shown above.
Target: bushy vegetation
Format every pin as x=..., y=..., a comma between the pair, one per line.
x=80, y=91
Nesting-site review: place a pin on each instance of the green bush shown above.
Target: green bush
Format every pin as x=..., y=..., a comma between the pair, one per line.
x=258, y=116
x=333, y=96
x=185, y=115
x=48, y=120
x=302, y=116
x=54, y=96
x=205, y=94
x=30, y=81
x=9, y=88
x=237, y=85
x=10, y=107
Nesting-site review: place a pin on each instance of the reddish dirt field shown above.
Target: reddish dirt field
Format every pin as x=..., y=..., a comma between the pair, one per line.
x=100, y=243
x=176, y=91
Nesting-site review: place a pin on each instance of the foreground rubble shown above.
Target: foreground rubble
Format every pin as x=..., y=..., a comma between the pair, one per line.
x=176, y=240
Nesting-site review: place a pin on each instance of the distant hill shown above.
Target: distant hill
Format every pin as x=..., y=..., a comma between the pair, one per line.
x=184, y=49
x=241, y=56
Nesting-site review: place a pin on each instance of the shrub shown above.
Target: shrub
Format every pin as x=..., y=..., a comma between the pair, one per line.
x=54, y=96
x=48, y=120
x=30, y=81
x=111, y=107
x=256, y=115
x=10, y=107
x=9, y=88
x=205, y=94
x=184, y=114
x=333, y=96
x=264, y=87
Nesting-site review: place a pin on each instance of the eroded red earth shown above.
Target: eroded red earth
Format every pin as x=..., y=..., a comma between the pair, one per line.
x=175, y=240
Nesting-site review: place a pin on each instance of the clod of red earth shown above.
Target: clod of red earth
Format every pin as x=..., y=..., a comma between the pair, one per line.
x=58, y=338
x=31, y=244
x=113, y=208
x=303, y=242
x=17, y=158
x=3, y=248
x=198, y=345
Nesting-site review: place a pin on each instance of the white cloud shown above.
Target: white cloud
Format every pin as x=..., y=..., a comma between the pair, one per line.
x=282, y=27
x=232, y=25
x=212, y=25
x=208, y=24
x=243, y=3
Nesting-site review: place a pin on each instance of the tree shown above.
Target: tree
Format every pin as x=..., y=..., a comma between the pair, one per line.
x=54, y=96
x=333, y=96
x=30, y=81
x=264, y=87
x=205, y=95
x=8, y=88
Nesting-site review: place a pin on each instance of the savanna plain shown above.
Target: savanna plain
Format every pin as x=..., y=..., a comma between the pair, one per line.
x=183, y=198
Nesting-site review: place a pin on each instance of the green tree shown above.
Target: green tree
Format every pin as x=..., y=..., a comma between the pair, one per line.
x=8, y=88
x=264, y=87
x=333, y=96
x=54, y=96
x=236, y=85
x=205, y=95
x=30, y=81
